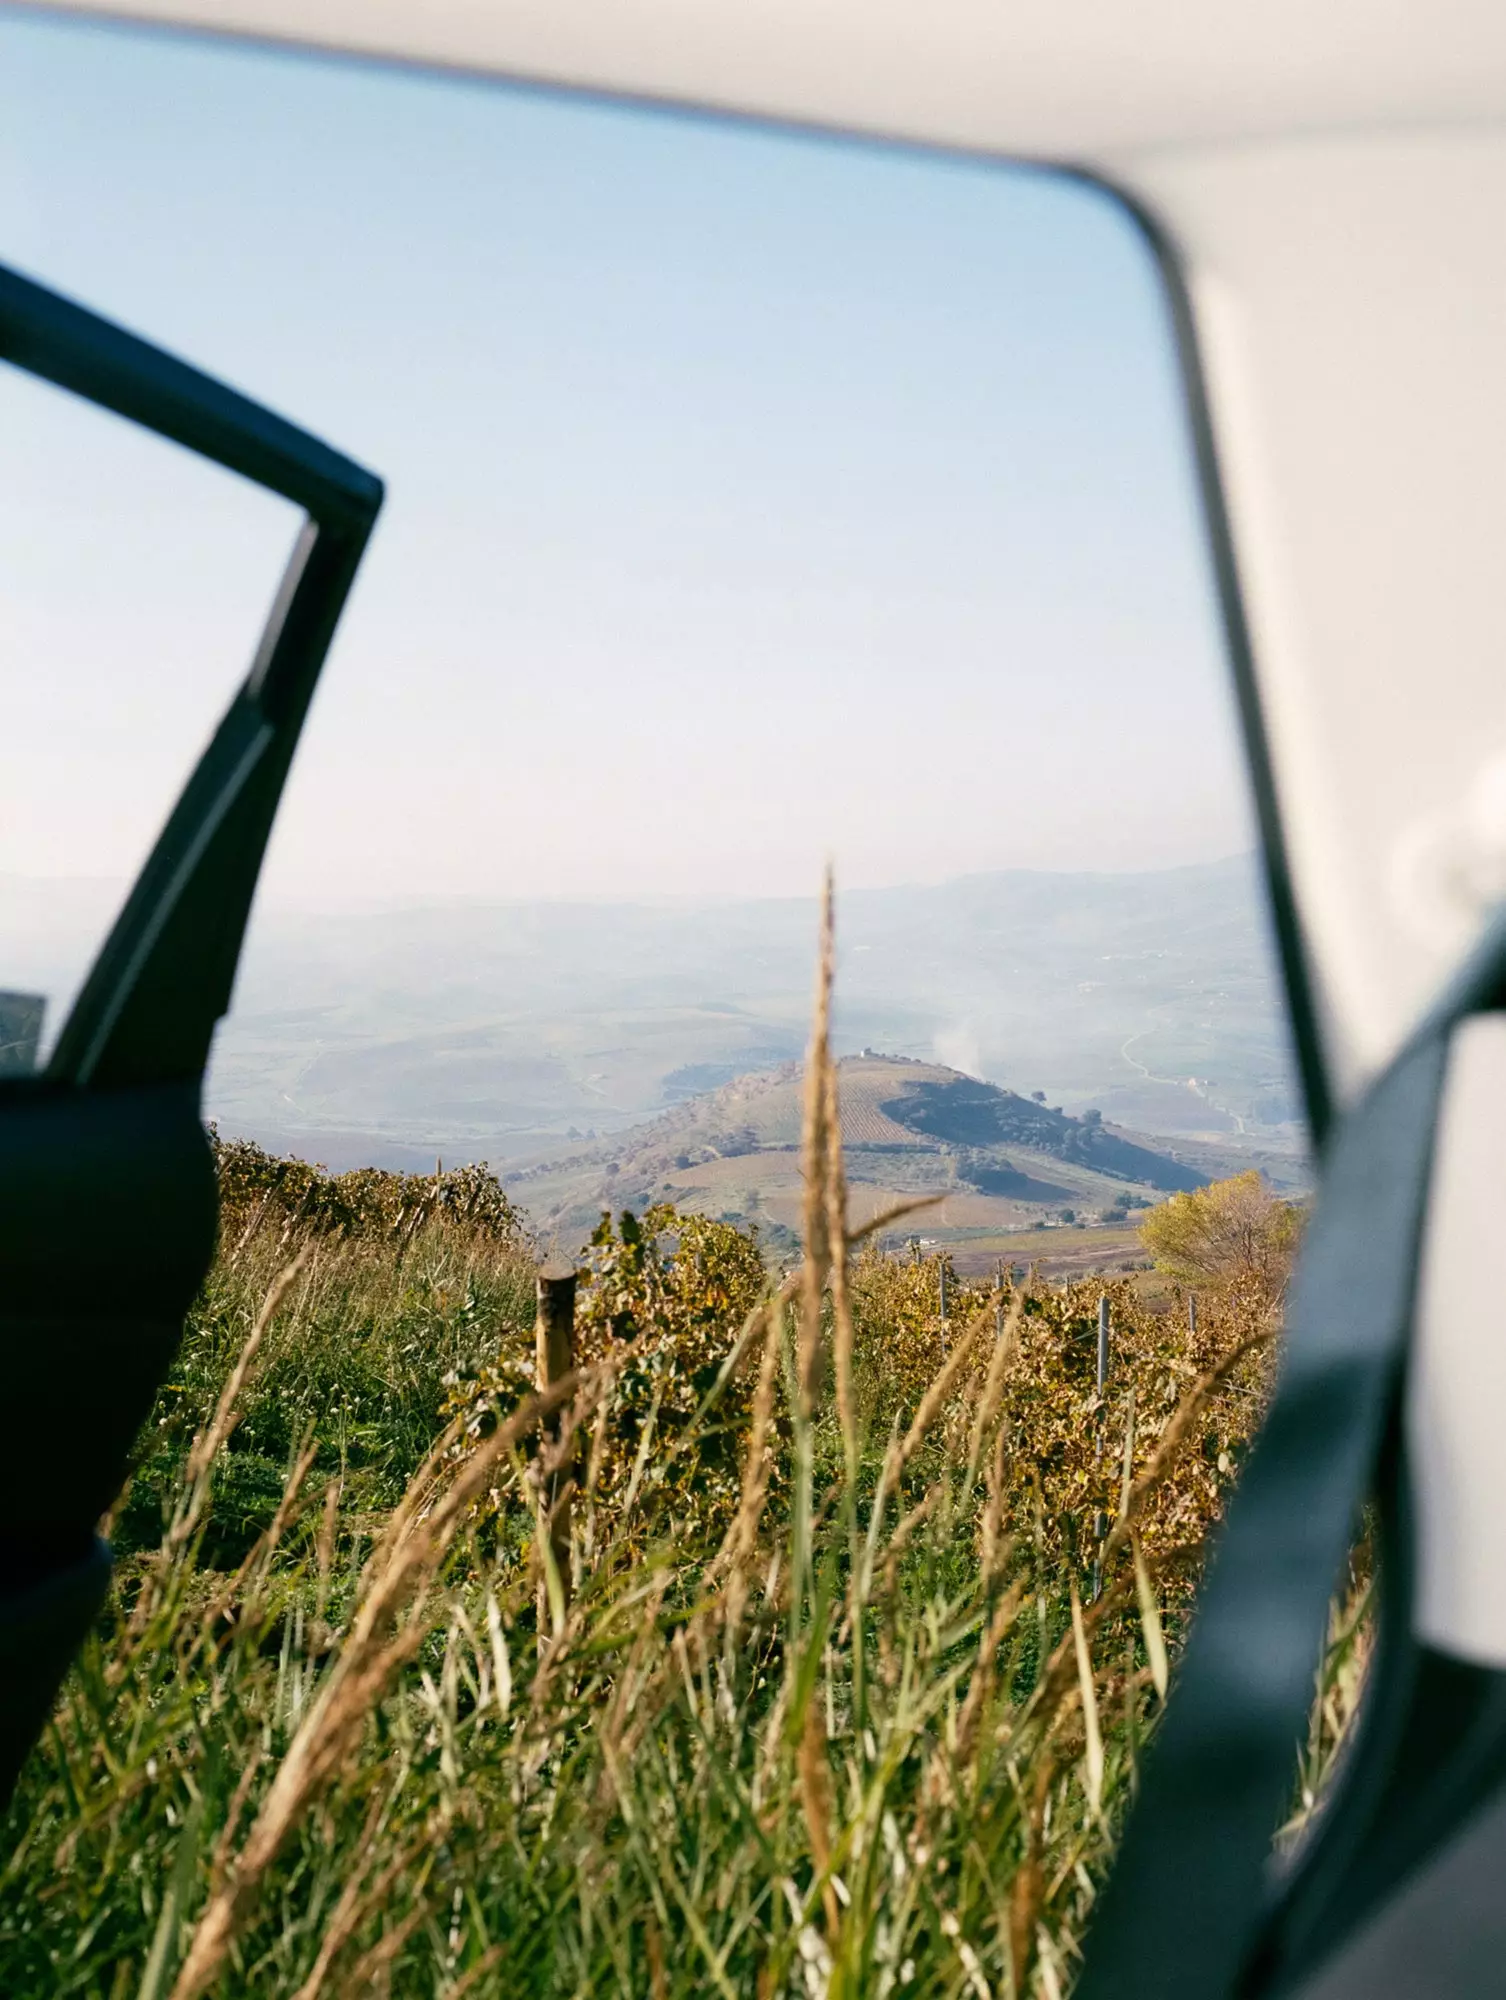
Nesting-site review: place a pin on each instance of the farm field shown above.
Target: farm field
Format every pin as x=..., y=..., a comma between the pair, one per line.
x=1063, y=1251
x=976, y=1229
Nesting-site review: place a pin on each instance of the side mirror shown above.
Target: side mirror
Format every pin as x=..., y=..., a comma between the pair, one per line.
x=108, y=1205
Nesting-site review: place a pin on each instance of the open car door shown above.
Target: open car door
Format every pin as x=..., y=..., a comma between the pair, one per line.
x=110, y=1126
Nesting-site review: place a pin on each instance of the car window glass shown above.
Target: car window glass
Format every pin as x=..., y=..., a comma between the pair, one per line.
x=135, y=579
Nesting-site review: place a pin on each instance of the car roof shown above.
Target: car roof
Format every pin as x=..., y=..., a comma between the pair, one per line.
x=1092, y=82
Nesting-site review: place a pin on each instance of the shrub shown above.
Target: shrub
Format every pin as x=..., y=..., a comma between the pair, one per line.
x=1232, y=1232
x=260, y=1191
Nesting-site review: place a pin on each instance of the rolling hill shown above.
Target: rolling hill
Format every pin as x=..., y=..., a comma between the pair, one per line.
x=996, y=1162
x=509, y=1031
x=537, y=1035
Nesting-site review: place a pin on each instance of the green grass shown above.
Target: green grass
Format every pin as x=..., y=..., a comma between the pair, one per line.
x=815, y=1719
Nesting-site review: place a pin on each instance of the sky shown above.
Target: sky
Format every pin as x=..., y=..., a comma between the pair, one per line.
x=754, y=498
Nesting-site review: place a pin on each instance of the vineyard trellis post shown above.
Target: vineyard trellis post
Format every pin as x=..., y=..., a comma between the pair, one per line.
x=554, y=1351
x=1103, y=1340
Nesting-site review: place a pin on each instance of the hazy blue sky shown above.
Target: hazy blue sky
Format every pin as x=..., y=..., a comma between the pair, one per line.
x=751, y=497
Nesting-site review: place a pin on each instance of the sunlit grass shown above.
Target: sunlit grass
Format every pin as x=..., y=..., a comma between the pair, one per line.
x=827, y=1705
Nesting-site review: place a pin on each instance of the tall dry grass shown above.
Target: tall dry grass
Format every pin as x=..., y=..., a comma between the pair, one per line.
x=848, y=1719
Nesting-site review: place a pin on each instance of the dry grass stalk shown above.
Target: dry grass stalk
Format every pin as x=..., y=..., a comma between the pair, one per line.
x=418, y=1497
x=362, y=1672
x=815, y=1802
x=288, y=1501
x=1027, y=1891
x=993, y=1384
x=631, y=1710
x=329, y=1522
x=936, y=1395
x=469, y=1981
x=1173, y=1437
x=241, y=1588
x=887, y=1217
x=220, y=1859
x=370, y=1974
x=340, y=1926
x=844, y=1334
x=357, y=1903
x=1150, y=1622
x=992, y=1543
x=207, y=1445
x=1093, y=1757
x=980, y=1686
x=252, y=1226
x=817, y=1141
x=653, y=1944
x=1060, y=1674
x=1062, y=1666
x=918, y=1515
x=742, y=1537
x=902, y=1450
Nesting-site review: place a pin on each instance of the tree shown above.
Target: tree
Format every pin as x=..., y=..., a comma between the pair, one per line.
x=1229, y=1231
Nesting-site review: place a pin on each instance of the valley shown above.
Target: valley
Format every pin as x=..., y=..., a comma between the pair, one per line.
x=520, y=1032
x=1019, y=1044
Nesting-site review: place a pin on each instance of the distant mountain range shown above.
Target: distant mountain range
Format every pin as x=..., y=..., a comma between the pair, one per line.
x=510, y=1031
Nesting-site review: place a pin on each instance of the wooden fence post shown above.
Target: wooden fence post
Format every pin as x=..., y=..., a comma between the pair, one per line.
x=554, y=1349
